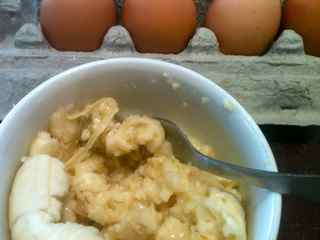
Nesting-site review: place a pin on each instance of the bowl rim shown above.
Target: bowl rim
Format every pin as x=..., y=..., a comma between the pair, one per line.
x=276, y=198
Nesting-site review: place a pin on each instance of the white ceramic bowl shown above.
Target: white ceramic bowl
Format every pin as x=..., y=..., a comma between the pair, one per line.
x=153, y=87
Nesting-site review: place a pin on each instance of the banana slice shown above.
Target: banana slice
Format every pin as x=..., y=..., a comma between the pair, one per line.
x=38, y=226
x=35, y=206
x=228, y=207
x=38, y=185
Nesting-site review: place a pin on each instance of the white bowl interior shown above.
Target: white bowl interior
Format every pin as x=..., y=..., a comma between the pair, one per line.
x=157, y=88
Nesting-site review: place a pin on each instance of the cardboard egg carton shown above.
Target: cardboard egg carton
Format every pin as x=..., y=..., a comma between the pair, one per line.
x=280, y=87
x=118, y=40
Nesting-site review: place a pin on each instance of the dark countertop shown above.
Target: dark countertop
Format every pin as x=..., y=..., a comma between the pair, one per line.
x=297, y=150
x=300, y=219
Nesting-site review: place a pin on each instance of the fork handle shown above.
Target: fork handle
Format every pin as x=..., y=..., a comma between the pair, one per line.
x=300, y=185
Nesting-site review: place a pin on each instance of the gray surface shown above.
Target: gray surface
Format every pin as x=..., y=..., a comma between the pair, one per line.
x=289, y=42
x=118, y=39
x=29, y=36
x=277, y=89
x=12, y=6
x=204, y=41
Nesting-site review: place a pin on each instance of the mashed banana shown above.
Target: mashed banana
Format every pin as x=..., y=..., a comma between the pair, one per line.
x=126, y=181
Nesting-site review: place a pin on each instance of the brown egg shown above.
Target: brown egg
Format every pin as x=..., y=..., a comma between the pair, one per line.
x=76, y=25
x=244, y=27
x=303, y=16
x=160, y=26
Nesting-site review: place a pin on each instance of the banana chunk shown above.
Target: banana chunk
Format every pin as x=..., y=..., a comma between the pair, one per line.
x=229, y=208
x=38, y=226
x=38, y=185
x=35, y=206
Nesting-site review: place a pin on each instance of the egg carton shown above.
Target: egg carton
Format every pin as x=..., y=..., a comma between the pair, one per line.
x=281, y=87
x=118, y=39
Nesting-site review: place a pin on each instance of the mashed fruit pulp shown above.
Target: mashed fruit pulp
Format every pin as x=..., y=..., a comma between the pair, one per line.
x=126, y=181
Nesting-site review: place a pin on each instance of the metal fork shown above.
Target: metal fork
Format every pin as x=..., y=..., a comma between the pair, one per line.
x=300, y=185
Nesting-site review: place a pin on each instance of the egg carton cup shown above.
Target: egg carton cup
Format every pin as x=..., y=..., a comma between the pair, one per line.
x=280, y=87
